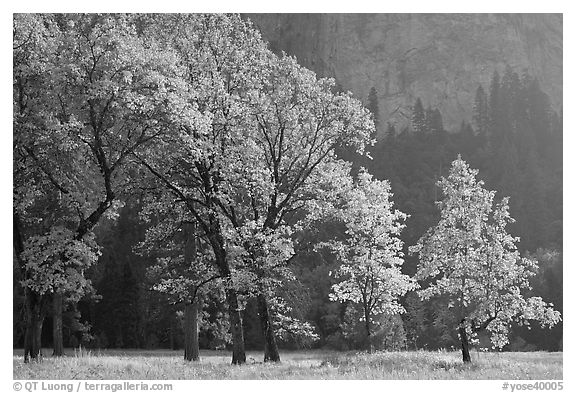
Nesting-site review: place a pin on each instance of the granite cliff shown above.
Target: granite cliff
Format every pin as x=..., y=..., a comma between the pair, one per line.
x=441, y=58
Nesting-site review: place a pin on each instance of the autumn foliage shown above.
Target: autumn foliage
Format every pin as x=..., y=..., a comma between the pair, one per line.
x=231, y=153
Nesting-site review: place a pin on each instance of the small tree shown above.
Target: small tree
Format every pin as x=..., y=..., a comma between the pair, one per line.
x=371, y=254
x=470, y=258
x=372, y=105
x=418, y=116
x=481, y=114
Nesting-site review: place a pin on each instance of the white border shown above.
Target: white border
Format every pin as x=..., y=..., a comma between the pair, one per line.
x=387, y=6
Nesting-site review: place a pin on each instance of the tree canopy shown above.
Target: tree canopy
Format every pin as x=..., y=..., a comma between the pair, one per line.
x=471, y=258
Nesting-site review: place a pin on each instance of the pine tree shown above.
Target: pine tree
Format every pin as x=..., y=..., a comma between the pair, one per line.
x=373, y=106
x=434, y=121
x=418, y=116
x=494, y=131
x=481, y=117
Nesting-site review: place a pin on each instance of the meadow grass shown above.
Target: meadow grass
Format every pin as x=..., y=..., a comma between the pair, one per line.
x=164, y=364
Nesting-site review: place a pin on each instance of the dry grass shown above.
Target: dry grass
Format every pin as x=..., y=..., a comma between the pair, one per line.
x=144, y=365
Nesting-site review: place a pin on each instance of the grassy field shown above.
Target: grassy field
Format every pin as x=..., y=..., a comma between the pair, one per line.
x=162, y=364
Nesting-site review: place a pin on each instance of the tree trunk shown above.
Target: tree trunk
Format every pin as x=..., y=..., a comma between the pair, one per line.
x=369, y=345
x=171, y=334
x=464, y=341
x=236, y=329
x=238, y=352
x=34, y=302
x=57, y=337
x=271, y=353
x=34, y=320
x=92, y=311
x=34, y=315
x=191, y=350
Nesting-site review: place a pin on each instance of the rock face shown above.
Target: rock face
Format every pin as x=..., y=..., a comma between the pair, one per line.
x=441, y=58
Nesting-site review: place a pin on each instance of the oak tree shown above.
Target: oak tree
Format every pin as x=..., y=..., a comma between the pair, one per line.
x=471, y=258
x=371, y=253
x=88, y=92
x=296, y=124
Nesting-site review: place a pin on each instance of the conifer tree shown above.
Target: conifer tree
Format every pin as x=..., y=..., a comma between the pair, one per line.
x=418, y=116
x=481, y=117
x=373, y=106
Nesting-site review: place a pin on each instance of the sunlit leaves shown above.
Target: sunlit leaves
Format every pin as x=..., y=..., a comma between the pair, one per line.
x=195, y=113
x=88, y=93
x=255, y=141
x=289, y=328
x=55, y=262
x=471, y=257
x=371, y=253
